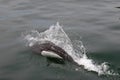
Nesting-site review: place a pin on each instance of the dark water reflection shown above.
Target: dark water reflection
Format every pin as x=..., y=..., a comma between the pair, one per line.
x=96, y=21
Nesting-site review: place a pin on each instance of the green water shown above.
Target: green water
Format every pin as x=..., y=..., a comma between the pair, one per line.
x=96, y=21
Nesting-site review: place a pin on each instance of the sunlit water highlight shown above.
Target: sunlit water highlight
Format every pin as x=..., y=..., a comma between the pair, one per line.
x=57, y=35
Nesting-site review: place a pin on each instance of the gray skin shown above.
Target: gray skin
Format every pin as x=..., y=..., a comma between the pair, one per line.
x=49, y=46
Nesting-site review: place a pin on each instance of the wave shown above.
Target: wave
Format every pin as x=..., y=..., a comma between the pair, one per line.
x=57, y=35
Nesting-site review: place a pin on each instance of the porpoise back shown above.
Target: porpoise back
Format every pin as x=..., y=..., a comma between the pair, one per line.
x=49, y=46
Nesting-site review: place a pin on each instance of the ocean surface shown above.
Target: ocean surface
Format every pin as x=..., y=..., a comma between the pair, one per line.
x=94, y=22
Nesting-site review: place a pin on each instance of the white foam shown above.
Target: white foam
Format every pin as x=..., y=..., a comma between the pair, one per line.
x=57, y=35
x=90, y=65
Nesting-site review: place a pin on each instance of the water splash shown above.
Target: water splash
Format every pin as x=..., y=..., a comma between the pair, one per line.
x=57, y=35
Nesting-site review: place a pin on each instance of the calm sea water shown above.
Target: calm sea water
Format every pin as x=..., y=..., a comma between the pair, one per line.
x=95, y=22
